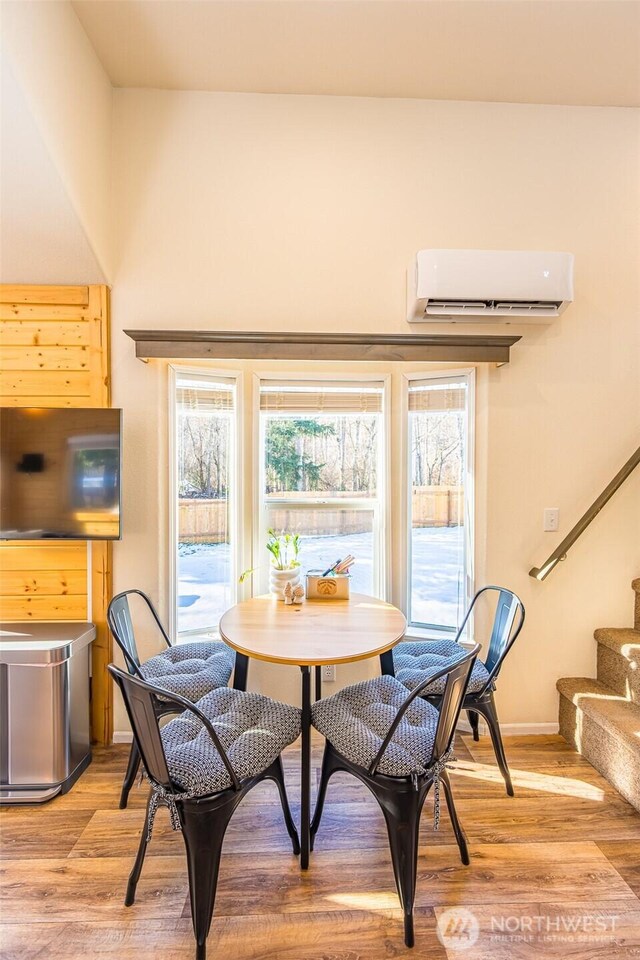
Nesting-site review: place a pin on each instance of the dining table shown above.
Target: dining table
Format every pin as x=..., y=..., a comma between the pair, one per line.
x=310, y=635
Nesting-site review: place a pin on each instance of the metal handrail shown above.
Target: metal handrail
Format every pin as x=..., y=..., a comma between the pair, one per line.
x=560, y=553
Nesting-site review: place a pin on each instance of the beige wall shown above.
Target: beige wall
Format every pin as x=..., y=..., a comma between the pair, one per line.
x=41, y=238
x=70, y=98
x=269, y=212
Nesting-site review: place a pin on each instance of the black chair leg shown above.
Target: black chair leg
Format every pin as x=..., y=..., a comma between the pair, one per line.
x=402, y=815
x=129, y=778
x=203, y=834
x=453, y=816
x=489, y=712
x=134, y=876
x=329, y=767
x=473, y=721
x=276, y=773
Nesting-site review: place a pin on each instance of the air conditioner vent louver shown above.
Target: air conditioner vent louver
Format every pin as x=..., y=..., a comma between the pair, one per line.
x=486, y=285
x=458, y=304
x=493, y=307
x=526, y=304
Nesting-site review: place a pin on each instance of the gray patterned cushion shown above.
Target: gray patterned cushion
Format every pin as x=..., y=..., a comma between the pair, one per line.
x=252, y=729
x=414, y=661
x=356, y=721
x=191, y=669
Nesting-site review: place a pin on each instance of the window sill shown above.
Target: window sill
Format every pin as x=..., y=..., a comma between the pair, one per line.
x=416, y=633
x=427, y=633
x=206, y=633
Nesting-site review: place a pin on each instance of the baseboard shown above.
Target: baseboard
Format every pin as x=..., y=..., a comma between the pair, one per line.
x=122, y=736
x=515, y=729
x=529, y=729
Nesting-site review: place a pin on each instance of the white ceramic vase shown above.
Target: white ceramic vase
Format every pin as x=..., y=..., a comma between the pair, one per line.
x=278, y=580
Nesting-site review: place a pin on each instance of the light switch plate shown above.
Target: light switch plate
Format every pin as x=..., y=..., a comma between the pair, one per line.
x=551, y=521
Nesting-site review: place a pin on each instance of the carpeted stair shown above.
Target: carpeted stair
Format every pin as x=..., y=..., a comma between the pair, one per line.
x=601, y=718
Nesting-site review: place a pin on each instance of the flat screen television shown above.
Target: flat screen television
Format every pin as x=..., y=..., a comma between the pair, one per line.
x=60, y=473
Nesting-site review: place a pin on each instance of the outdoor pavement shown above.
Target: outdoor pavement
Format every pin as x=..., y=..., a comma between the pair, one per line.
x=438, y=594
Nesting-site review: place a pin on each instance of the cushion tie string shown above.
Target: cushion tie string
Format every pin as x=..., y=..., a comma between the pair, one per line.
x=436, y=772
x=154, y=802
x=160, y=795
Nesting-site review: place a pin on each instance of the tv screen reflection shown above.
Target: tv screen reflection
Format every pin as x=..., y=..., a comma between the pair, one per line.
x=60, y=473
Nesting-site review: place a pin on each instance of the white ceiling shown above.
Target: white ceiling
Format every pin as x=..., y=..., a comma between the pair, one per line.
x=524, y=51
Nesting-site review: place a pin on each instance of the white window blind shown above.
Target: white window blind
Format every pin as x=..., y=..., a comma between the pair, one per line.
x=427, y=396
x=321, y=397
x=200, y=395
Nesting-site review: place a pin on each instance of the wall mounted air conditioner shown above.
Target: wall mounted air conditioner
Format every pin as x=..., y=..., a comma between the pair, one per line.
x=488, y=285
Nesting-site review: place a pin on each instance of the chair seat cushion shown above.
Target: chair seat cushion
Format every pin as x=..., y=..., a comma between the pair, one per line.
x=252, y=729
x=357, y=719
x=414, y=661
x=191, y=669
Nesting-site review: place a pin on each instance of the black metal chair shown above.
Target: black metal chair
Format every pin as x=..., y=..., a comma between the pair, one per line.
x=189, y=670
x=414, y=660
x=201, y=765
x=398, y=746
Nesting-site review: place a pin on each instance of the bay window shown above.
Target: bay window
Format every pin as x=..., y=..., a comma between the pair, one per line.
x=315, y=461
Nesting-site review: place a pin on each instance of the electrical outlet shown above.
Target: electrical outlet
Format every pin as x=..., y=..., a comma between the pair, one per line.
x=551, y=519
x=329, y=673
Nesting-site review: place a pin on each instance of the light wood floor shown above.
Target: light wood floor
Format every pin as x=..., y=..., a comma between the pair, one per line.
x=567, y=847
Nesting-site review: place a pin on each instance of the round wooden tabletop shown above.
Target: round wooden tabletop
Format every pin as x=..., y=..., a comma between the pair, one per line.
x=314, y=632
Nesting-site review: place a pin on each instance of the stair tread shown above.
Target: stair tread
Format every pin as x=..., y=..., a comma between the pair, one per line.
x=617, y=714
x=622, y=640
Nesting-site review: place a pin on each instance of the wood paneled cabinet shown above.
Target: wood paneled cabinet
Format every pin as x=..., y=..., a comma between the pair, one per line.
x=54, y=351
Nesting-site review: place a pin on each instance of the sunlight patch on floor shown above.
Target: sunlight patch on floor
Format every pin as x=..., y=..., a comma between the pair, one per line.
x=367, y=900
x=529, y=780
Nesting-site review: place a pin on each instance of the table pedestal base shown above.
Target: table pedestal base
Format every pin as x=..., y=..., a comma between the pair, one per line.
x=305, y=772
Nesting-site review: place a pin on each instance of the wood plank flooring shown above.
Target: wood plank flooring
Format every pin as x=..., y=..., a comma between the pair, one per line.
x=555, y=871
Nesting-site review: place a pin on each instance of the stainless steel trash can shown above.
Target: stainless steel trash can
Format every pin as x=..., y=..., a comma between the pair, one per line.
x=44, y=708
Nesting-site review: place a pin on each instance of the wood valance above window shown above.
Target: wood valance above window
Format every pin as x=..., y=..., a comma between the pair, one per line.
x=241, y=345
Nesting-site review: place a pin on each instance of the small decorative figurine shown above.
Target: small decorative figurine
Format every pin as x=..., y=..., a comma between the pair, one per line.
x=287, y=593
x=293, y=594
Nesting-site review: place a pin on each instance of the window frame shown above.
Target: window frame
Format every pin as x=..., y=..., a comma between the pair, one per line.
x=380, y=505
x=434, y=631
x=236, y=525
x=392, y=538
